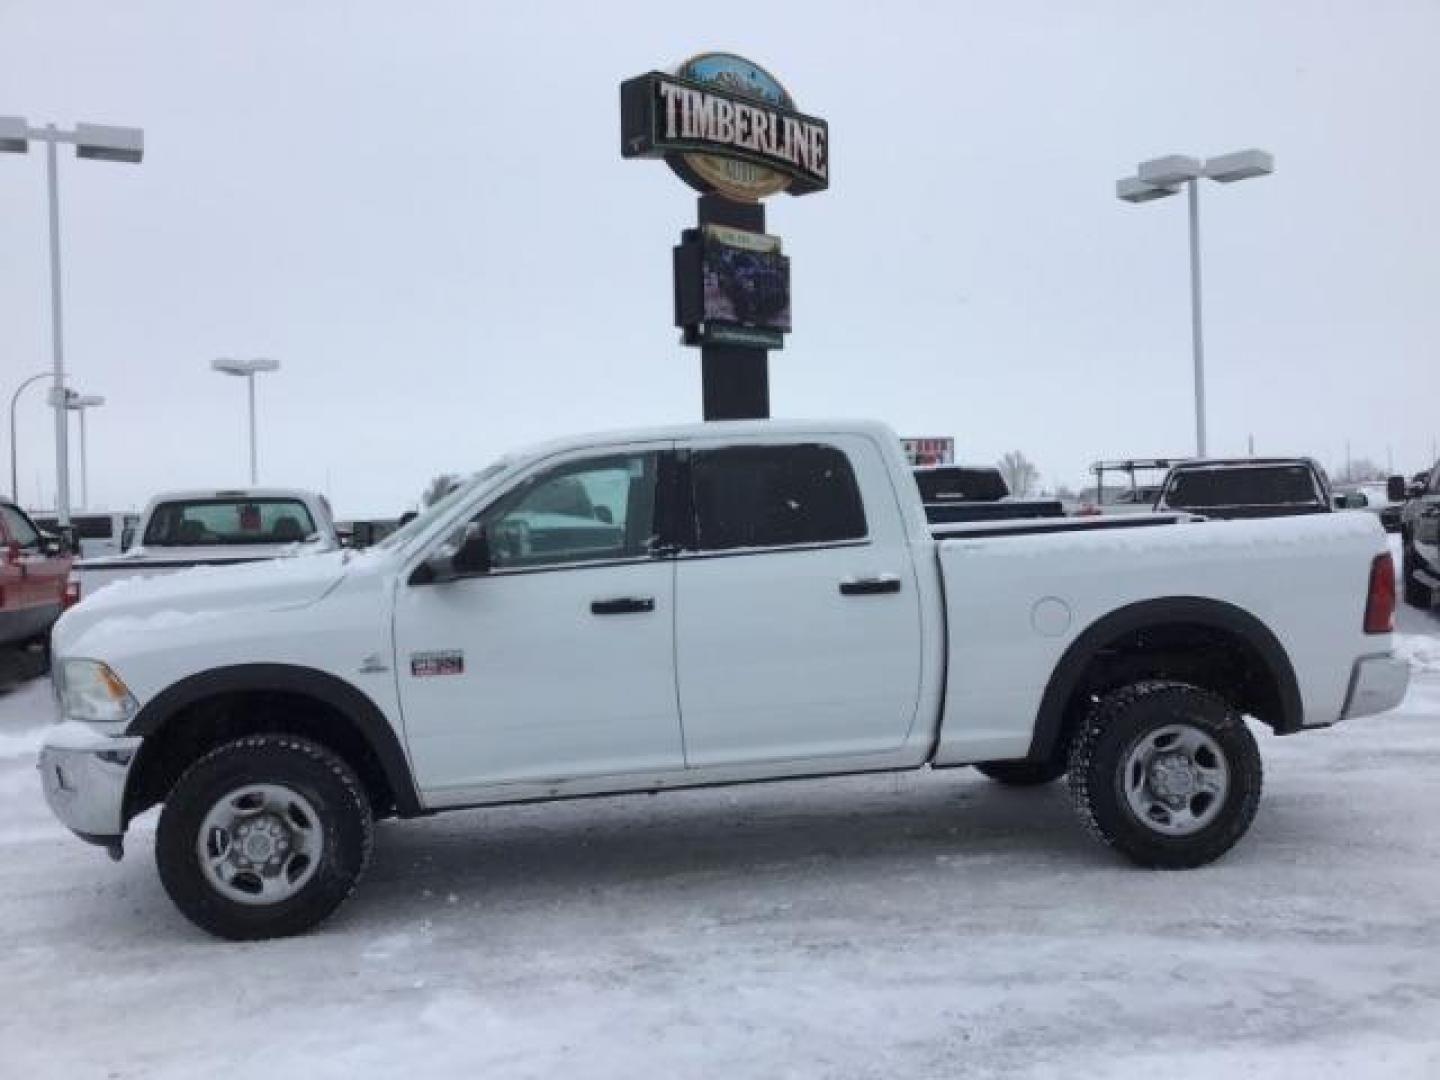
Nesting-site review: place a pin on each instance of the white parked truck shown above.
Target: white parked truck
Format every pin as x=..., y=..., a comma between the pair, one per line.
x=708, y=604
x=184, y=529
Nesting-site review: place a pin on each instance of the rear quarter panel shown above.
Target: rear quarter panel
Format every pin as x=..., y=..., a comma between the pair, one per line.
x=1015, y=604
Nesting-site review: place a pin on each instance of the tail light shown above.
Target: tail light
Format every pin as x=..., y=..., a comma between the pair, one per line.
x=1380, y=604
x=72, y=595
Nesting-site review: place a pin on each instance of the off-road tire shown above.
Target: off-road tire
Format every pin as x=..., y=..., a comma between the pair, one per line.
x=1100, y=749
x=1417, y=593
x=1023, y=773
x=306, y=767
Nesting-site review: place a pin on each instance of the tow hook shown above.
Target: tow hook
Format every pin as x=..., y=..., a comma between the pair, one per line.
x=115, y=849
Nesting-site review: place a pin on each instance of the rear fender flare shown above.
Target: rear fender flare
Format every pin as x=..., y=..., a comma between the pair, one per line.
x=1170, y=611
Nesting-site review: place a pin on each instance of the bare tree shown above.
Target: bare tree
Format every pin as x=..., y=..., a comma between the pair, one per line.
x=1360, y=470
x=1019, y=473
x=438, y=488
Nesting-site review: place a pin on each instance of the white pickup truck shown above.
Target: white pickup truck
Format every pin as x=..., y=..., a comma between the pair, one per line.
x=184, y=529
x=701, y=605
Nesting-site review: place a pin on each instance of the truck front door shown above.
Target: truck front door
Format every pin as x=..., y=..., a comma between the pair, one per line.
x=797, y=612
x=559, y=662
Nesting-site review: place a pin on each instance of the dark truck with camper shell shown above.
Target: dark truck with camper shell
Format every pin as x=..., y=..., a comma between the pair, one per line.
x=953, y=494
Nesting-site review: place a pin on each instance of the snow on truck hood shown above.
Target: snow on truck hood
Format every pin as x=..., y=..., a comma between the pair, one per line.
x=202, y=592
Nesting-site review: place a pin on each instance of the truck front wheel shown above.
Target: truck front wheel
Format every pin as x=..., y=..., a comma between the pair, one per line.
x=1166, y=773
x=263, y=837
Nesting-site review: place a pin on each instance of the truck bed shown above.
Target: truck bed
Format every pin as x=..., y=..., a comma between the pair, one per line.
x=1018, y=594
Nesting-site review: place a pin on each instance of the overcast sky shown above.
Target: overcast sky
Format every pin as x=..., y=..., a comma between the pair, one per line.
x=422, y=212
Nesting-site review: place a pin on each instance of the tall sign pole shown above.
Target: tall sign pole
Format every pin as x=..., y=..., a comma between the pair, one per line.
x=730, y=130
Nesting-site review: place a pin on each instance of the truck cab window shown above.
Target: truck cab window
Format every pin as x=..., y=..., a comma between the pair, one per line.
x=201, y=522
x=600, y=509
x=775, y=496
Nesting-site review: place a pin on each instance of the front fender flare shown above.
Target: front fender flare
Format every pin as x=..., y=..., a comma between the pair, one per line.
x=347, y=699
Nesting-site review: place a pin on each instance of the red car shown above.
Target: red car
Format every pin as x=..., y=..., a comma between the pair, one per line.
x=34, y=572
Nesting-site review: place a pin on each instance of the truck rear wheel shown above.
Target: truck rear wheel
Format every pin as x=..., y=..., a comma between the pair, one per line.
x=1166, y=773
x=263, y=837
x=1022, y=773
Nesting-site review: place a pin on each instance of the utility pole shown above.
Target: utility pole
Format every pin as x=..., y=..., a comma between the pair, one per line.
x=100, y=143
x=1164, y=176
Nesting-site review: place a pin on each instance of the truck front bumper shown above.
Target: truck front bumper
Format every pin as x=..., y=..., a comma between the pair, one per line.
x=84, y=774
x=1377, y=683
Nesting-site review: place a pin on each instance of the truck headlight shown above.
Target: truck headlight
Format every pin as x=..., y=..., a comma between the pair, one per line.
x=92, y=693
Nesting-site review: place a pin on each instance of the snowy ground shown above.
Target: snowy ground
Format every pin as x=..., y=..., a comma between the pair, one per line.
x=918, y=926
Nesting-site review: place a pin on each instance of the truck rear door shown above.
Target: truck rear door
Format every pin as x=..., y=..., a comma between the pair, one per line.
x=797, y=611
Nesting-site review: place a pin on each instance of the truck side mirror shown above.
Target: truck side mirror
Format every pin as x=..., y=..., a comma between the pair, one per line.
x=473, y=556
x=467, y=559
x=1395, y=489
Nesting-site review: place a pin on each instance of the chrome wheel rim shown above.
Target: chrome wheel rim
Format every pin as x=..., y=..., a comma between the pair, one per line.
x=1175, y=779
x=260, y=844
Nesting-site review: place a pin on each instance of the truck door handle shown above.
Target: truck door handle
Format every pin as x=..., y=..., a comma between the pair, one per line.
x=867, y=586
x=622, y=605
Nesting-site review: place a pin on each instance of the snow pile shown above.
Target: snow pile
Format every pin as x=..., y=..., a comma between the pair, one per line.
x=1421, y=650
x=26, y=712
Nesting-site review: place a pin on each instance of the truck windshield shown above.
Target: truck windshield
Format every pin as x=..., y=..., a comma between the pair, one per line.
x=1267, y=485
x=200, y=522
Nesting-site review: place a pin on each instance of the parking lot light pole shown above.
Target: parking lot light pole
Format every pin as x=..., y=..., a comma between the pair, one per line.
x=14, y=468
x=79, y=403
x=248, y=369
x=100, y=143
x=1164, y=176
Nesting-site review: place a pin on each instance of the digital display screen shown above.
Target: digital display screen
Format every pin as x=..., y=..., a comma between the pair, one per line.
x=746, y=279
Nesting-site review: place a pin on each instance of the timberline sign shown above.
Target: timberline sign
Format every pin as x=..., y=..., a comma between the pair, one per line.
x=727, y=127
